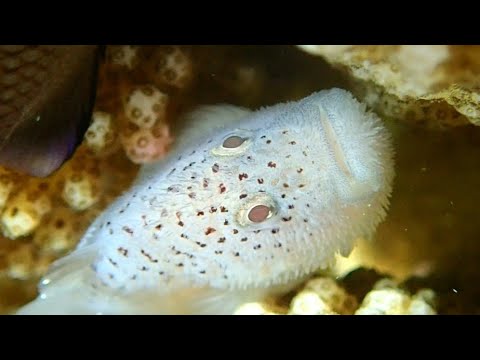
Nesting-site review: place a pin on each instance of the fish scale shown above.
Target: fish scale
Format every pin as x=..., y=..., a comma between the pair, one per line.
x=182, y=239
x=18, y=72
x=44, y=87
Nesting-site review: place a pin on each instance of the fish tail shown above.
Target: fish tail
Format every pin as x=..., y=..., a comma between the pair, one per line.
x=68, y=287
x=66, y=304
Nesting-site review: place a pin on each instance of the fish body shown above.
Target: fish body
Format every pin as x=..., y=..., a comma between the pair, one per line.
x=247, y=205
x=47, y=93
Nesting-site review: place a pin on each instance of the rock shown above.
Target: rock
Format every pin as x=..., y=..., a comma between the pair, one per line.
x=436, y=85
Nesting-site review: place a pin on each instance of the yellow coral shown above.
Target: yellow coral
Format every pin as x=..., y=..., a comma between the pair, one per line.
x=24, y=212
x=146, y=106
x=81, y=191
x=324, y=296
x=332, y=294
x=21, y=262
x=171, y=66
x=59, y=232
x=309, y=303
x=123, y=55
x=387, y=299
x=254, y=309
x=145, y=136
x=6, y=187
x=100, y=135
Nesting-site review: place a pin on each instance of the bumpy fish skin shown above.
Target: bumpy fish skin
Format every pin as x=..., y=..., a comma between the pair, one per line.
x=181, y=240
x=47, y=93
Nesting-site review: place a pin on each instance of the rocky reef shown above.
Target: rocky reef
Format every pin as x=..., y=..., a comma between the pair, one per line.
x=424, y=258
x=435, y=85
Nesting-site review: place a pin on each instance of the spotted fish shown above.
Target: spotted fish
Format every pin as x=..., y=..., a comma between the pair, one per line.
x=47, y=94
x=246, y=206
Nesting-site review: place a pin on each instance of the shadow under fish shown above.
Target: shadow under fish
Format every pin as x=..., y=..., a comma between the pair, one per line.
x=47, y=94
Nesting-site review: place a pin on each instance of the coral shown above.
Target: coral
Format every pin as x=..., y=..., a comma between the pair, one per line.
x=24, y=262
x=47, y=224
x=332, y=294
x=81, y=183
x=436, y=85
x=6, y=187
x=146, y=137
x=48, y=216
x=146, y=106
x=309, y=303
x=326, y=296
x=171, y=66
x=147, y=145
x=59, y=232
x=24, y=211
x=322, y=296
x=20, y=262
x=319, y=296
x=80, y=191
x=254, y=309
x=123, y=56
x=387, y=299
x=100, y=136
x=422, y=303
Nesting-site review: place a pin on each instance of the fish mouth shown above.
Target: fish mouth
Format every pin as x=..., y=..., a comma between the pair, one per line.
x=334, y=145
x=358, y=189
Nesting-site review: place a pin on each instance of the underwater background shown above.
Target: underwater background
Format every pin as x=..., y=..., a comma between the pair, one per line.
x=425, y=255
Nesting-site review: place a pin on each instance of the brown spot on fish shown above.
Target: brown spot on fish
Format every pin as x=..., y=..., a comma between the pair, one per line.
x=222, y=188
x=148, y=256
x=123, y=251
x=209, y=230
x=127, y=230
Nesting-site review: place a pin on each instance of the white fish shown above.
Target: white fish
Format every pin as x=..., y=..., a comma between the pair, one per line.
x=248, y=204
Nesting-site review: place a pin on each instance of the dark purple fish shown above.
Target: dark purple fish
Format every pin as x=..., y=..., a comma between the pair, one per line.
x=47, y=93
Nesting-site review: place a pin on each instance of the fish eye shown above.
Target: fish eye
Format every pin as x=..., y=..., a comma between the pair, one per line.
x=233, y=142
x=259, y=213
x=256, y=210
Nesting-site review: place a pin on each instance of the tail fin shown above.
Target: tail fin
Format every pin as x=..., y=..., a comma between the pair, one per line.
x=67, y=287
x=65, y=304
